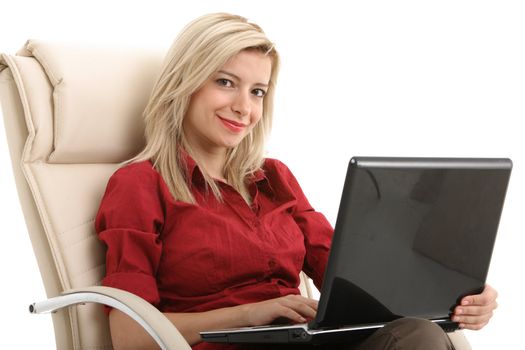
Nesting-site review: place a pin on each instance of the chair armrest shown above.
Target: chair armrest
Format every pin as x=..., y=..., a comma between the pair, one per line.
x=152, y=320
x=459, y=340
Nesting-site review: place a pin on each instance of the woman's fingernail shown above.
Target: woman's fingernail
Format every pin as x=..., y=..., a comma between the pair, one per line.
x=459, y=311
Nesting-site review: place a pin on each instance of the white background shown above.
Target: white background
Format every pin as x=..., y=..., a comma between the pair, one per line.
x=385, y=78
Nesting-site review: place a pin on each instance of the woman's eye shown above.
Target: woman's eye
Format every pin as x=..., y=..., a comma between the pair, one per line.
x=224, y=82
x=259, y=92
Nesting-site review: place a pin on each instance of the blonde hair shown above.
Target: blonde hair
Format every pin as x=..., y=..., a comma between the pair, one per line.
x=199, y=51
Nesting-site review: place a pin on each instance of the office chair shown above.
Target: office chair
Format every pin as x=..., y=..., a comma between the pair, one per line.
x=72, y=114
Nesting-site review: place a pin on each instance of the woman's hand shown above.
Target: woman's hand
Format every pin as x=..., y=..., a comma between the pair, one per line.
x=295, y=308
x=475, y=311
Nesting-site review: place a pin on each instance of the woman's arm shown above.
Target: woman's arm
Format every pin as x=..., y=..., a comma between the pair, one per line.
x=127, y=334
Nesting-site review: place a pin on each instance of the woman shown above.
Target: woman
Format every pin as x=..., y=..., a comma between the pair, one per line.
x=202, y=226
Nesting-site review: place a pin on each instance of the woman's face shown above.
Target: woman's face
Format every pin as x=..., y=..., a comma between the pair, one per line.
x=229, y=104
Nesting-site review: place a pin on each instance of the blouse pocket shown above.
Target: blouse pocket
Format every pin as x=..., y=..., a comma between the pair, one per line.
x=286, y=238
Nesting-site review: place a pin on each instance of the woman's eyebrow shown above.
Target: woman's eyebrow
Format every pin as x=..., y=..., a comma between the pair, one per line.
x=238, y=78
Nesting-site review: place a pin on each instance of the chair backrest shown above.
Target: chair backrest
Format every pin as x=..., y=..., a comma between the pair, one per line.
x=72, y=114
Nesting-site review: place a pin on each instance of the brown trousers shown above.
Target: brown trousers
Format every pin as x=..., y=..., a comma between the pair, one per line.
x=401, y=334
x=407, y=333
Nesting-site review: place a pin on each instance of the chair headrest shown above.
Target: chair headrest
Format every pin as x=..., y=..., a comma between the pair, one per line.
x=98, y=96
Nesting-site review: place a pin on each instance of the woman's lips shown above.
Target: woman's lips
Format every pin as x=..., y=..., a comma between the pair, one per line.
x=232, y=125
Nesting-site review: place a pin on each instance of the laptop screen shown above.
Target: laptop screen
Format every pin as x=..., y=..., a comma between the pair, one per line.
x=412, y=237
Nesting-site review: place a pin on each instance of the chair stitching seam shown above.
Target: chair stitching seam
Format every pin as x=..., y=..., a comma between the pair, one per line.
x=80, y=241
x=75, y=227
x=81, y=273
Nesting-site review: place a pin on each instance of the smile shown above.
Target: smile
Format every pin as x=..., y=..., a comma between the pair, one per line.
x=232, y=125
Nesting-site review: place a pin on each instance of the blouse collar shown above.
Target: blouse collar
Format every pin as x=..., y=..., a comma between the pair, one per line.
x=194, y=173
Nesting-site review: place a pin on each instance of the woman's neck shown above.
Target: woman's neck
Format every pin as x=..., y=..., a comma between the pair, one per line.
x=212, y=161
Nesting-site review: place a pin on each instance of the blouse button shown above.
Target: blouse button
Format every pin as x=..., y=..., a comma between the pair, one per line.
x=271, y=263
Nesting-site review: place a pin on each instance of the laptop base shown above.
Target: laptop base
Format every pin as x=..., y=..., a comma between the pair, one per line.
x=301, y=334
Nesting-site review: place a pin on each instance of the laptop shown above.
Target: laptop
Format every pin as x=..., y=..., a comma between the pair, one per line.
x=412, y=237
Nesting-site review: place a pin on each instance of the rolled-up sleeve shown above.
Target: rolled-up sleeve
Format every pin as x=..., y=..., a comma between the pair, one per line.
x=129, y=222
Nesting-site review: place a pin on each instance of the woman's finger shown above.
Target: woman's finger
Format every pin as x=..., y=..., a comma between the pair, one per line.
x=290, y=314
x=303, y=306
x=468, y=319
x=488, y=296
x=475, y=310
x=473, y=327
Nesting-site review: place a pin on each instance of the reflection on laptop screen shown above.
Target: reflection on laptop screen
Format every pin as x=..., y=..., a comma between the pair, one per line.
x=414, y=238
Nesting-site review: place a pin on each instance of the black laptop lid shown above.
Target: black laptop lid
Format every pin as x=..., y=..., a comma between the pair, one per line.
x=412, y=237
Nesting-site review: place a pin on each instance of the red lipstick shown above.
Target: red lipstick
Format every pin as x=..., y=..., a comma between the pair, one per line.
x=232, y=125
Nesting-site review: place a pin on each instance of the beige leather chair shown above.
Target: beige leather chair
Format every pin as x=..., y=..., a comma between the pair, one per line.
x=72, y=113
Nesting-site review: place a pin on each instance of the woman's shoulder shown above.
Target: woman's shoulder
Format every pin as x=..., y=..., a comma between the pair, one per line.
x=142, y=171
x=272, y=164
x=281, y=178
x=276, y=167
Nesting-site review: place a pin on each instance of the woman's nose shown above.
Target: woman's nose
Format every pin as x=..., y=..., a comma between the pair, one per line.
x=241, y=104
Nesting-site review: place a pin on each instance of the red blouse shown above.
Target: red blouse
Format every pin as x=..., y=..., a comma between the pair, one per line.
x=191, y=258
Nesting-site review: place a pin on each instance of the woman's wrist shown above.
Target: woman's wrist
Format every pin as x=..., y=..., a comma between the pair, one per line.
x=241, y=315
